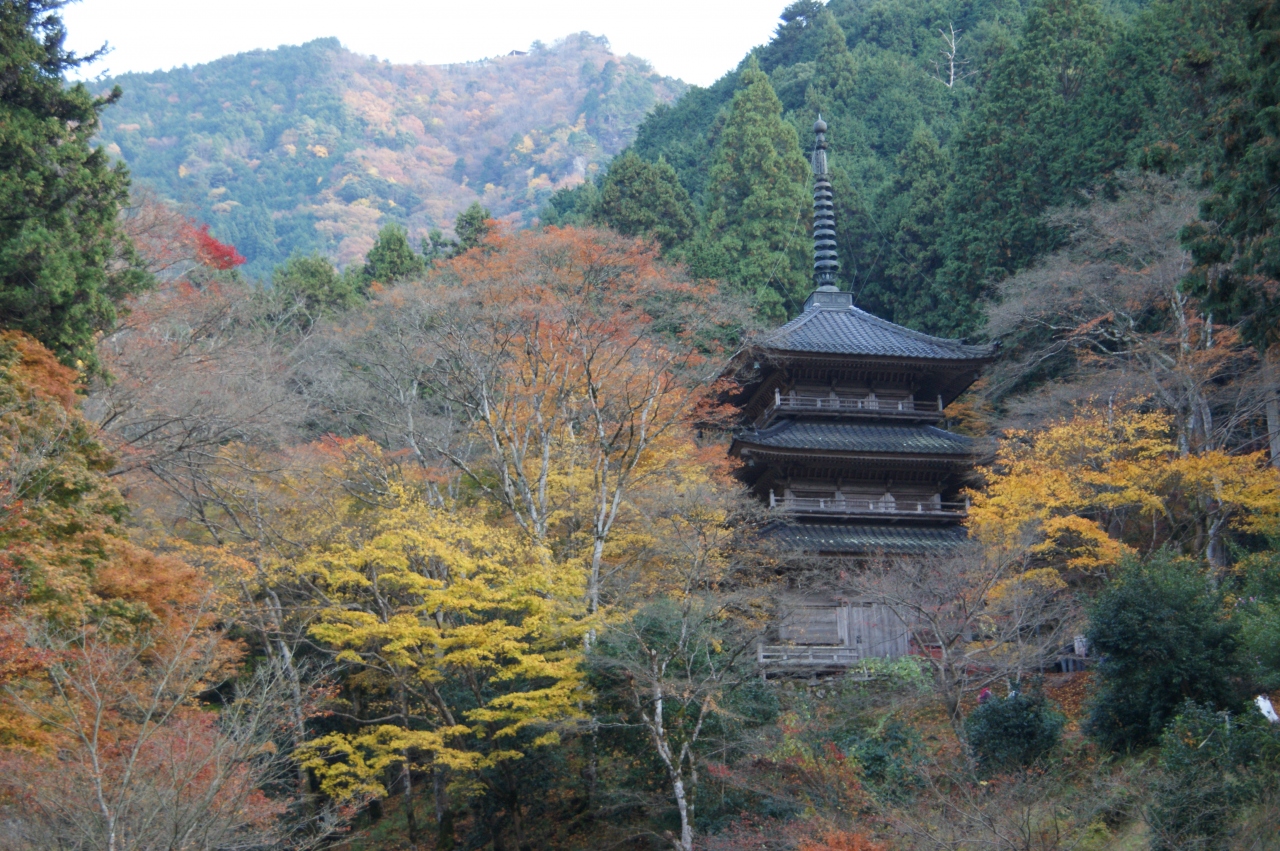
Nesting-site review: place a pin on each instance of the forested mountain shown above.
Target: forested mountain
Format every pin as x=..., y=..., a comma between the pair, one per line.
x=447, y=550
x=311, y=148
x=955, y=124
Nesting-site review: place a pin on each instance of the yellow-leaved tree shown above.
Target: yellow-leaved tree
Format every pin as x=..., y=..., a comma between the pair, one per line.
x=1083, y=492
x=462, y=639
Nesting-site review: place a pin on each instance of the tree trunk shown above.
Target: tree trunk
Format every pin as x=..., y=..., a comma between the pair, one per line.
x=1271, y=374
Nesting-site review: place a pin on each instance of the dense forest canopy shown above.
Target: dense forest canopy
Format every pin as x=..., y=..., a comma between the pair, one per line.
x=363, y=441
x=955, y=126
x=313, y=148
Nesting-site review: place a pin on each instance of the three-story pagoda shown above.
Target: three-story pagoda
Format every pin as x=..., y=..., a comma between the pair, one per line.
x=842, y=435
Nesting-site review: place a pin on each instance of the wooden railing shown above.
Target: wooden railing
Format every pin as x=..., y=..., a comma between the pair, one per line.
x=868, y=406
x=806, y=656
x=854, y=506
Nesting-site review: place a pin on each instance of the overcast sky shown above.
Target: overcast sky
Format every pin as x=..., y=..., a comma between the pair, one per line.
x=696, y=40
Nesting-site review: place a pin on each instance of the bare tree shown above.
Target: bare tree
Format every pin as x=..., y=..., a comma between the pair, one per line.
x=977, y=616
x=1106, y=317
x=138, y=764
x=951, y=70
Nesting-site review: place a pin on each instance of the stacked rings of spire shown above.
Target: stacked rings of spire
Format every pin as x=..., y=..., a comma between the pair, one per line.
x=825, y=262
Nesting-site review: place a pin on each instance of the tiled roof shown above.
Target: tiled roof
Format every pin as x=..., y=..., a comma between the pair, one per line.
x=859, y=437
x=865, y=540
x=850, y=331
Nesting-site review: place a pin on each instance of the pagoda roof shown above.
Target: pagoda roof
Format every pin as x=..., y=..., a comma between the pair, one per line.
x=836, y=538
x=873, y=438
x=830, y=324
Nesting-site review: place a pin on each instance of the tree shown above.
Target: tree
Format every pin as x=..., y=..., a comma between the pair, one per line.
x=981, y=615
x=1235, y=245
x=1085, y=491
x=392, y=259
x=1159, y=631
x=638, y=198
x=462, y=635
x=471, y=227
x=1017, y=152
x=758, y=203
x=915, y=258
x=138, y=764
x=1107, y=316
x=64, y=261
x=311, y=288
x=571, y=360
x=676, y=666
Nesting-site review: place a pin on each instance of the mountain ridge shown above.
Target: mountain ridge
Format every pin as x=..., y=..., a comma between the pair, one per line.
x=311, y=148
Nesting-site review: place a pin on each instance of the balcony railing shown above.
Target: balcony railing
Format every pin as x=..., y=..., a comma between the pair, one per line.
x=861, y=507
x=807, y=656
x=867, y=406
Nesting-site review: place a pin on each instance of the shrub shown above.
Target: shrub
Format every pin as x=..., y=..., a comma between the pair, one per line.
x=1159, y=632
x=1211, y=764
x=1012, y=733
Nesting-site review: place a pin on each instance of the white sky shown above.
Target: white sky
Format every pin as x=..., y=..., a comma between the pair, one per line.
x=696, y=40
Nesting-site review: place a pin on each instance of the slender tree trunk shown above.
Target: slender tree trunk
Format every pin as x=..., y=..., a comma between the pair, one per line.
x=406, y=777
x=1271, y=374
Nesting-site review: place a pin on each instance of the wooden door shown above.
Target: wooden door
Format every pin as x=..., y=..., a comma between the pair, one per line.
x=875, y=631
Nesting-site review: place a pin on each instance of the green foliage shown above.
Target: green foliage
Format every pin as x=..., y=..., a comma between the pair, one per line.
x=1019, y=151
x=1161, y=636
x=276, y=148
x=64, y=263
x=942, y=189
x=471, y=227
x=575, y=207
x=638, y=198
x=1236, y=249
x=1013, y=732
x=313, y=288
x=1211, y=764
x=1257, y=612
x=392, y=258
x=757, y=203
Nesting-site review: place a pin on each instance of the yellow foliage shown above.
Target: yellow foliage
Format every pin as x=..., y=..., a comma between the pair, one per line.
x=424, y=595
x=1085, y=491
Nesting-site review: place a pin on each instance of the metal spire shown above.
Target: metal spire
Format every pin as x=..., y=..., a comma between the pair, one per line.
x=825, y=264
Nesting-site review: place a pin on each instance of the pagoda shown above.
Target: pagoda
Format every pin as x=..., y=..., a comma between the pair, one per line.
x=842, y=434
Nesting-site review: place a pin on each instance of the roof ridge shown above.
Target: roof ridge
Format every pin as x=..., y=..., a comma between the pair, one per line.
x=955, y=342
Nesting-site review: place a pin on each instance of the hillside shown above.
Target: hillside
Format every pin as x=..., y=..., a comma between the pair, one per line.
x=311, y=148
x=943, y=172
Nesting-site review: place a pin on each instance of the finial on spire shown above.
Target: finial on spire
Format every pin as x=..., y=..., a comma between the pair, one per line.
x=825, y=264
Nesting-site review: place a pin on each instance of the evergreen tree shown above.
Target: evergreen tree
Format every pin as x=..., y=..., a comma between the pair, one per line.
x=1018, y=153
x=312, y=286
x=758, y=203
x=1237, y=245
x=646, y=199
x=392, y=258
x=471, y=227
x=64, y=263
x=917, y=199
x=1159, y=631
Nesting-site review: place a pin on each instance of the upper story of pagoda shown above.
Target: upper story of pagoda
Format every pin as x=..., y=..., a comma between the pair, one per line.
x=837, y=362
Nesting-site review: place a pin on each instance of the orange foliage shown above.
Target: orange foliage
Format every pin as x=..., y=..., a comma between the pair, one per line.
x=840, y=840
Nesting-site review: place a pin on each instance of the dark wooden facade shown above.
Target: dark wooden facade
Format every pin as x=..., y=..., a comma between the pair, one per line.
x=842, y=435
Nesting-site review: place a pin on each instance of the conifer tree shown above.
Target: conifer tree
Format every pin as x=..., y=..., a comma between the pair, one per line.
x=471, y=227
x=1018, y=152
x=313, y=287
x=914, y=258
x=638, y=198
x=392, y=258
x=64, y=263
x=758, y=202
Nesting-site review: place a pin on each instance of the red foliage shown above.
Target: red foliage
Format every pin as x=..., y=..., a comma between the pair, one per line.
x=212, y=253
